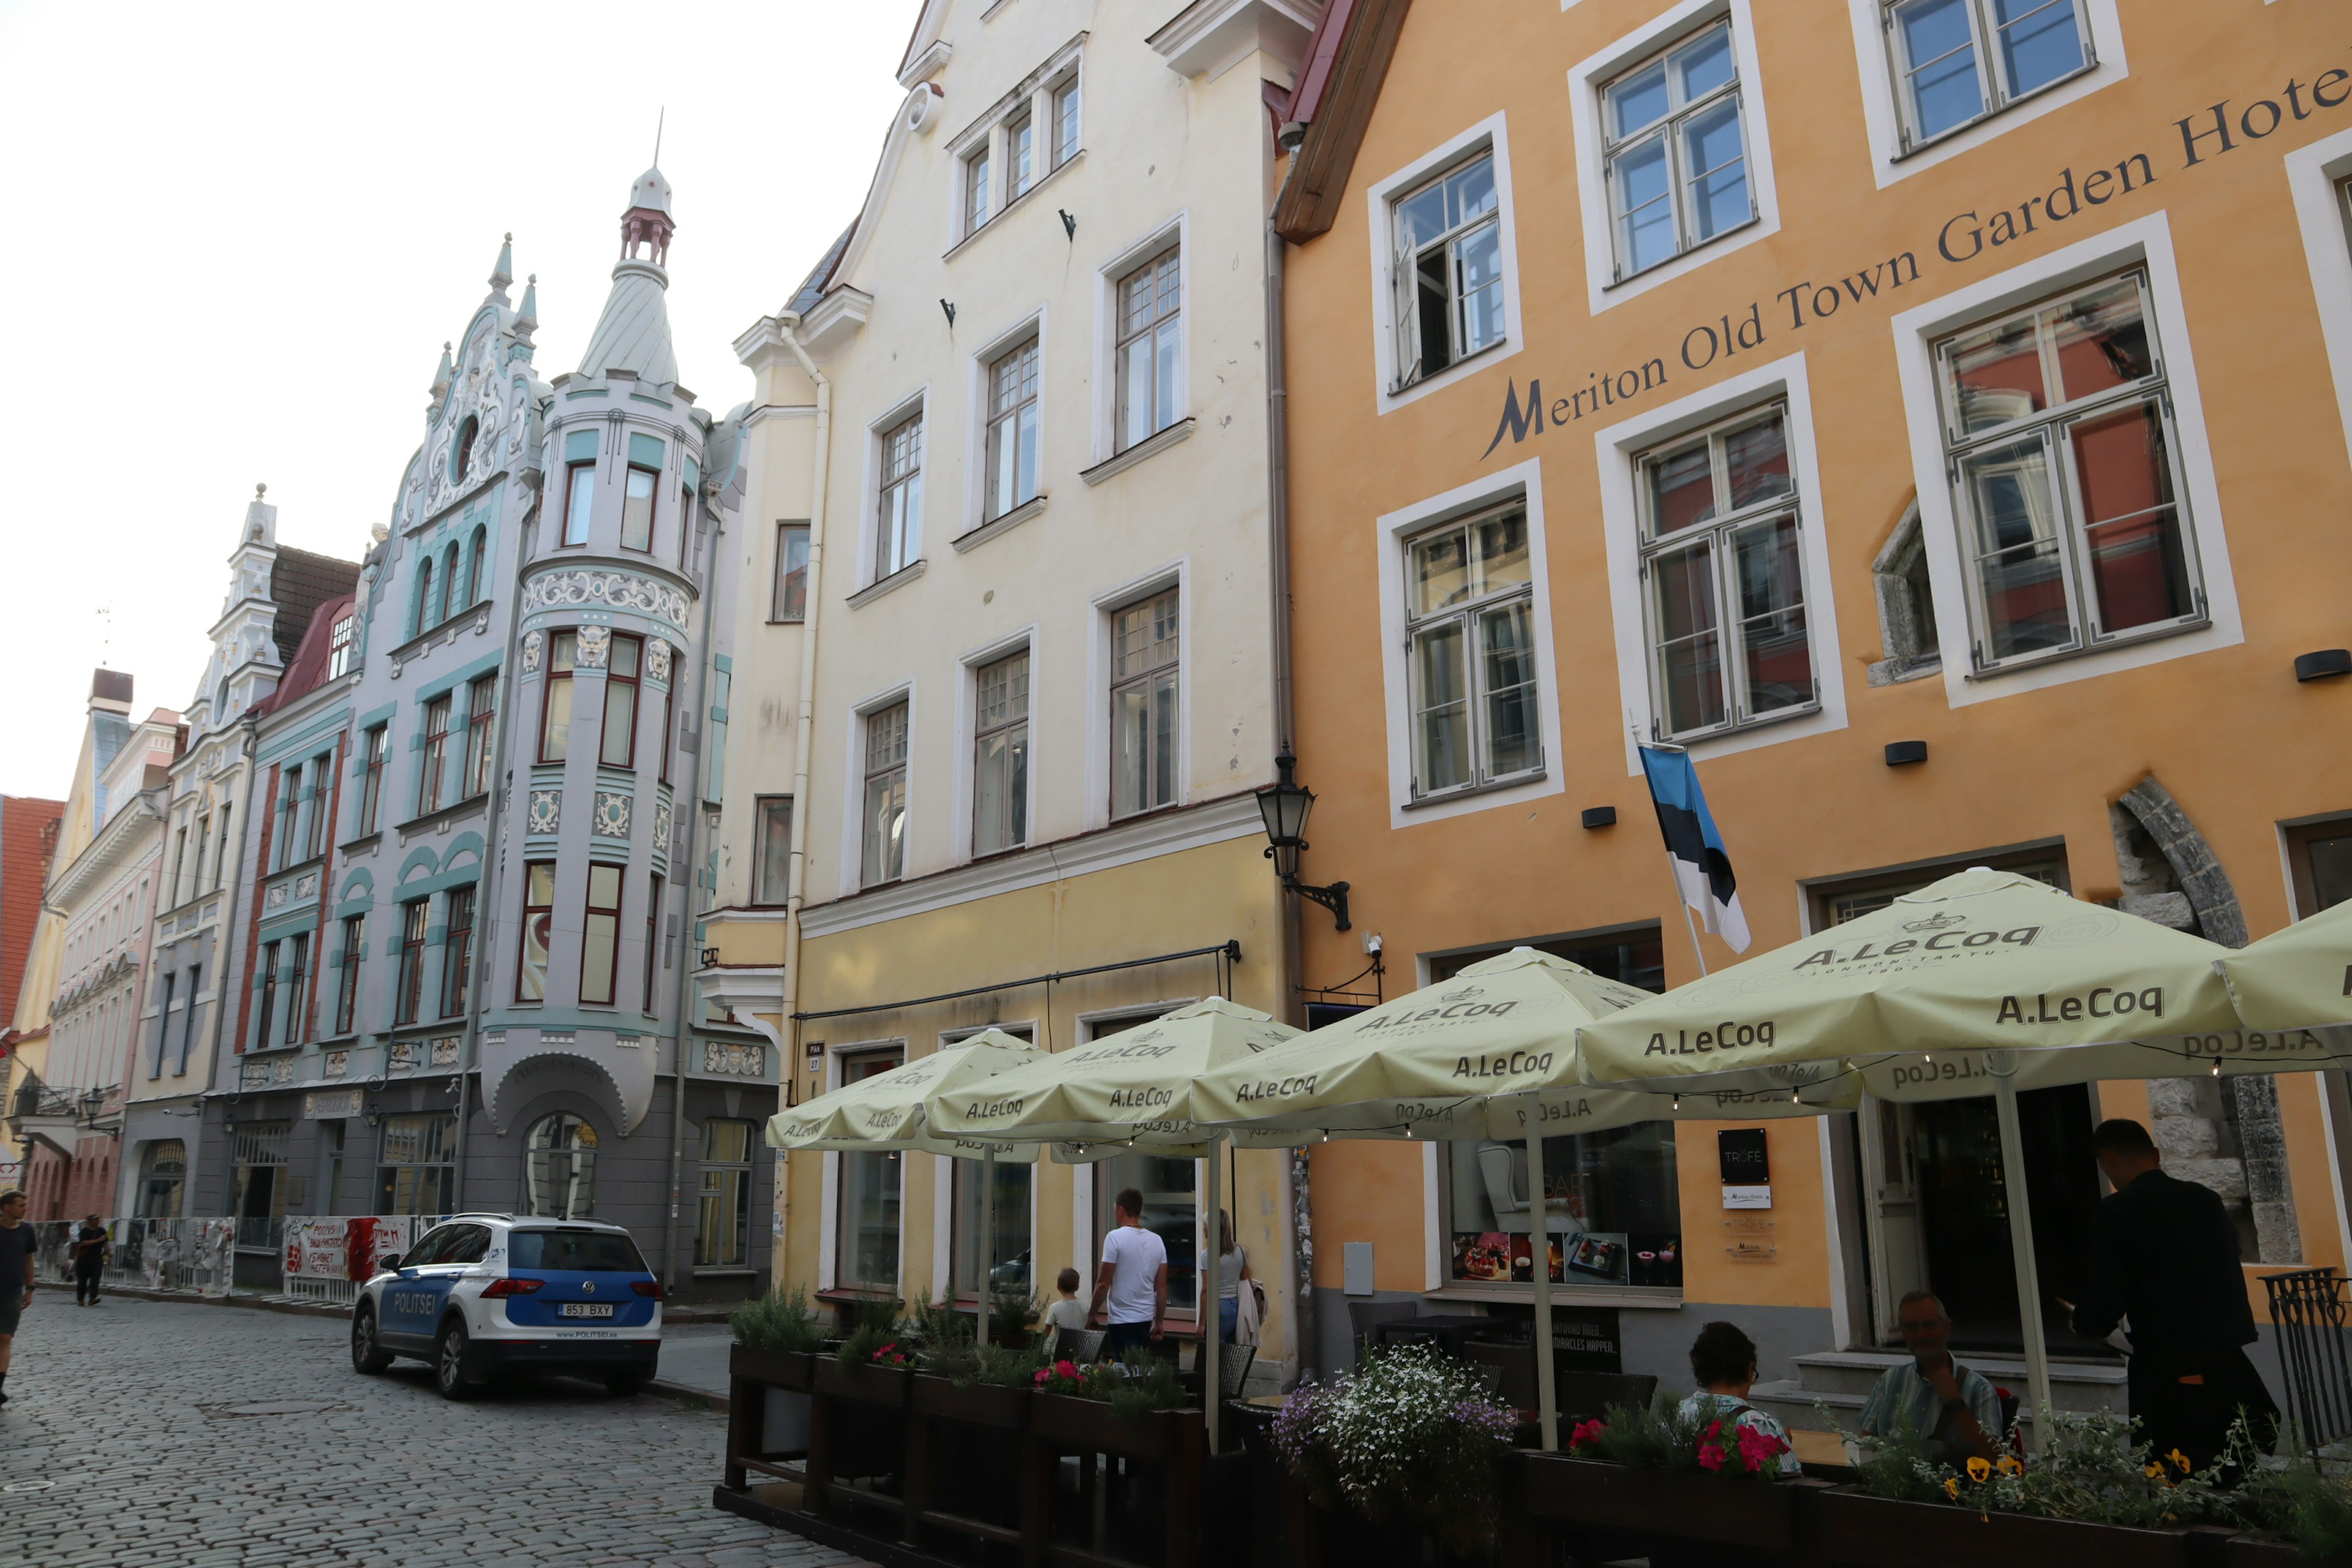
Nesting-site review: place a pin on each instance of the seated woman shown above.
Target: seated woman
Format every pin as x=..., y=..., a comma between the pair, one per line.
x=1723, y=1361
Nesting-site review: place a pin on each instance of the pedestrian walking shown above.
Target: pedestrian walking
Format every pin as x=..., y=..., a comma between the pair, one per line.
x=89, y=1247
x=1131, y=1291
x=2164, y=1254
x=20, y=1245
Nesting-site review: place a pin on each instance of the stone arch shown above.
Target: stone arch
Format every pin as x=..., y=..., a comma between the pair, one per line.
x=1907, y=605
x=420, y=862
x=516, y=1093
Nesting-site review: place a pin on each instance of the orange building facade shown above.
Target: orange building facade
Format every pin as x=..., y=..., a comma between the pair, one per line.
x=1931, y=415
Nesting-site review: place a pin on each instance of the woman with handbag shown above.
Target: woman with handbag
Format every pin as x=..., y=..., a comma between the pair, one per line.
x=1233, y=1273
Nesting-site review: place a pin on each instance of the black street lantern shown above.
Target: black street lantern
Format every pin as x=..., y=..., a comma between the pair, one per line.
x=1285, y=806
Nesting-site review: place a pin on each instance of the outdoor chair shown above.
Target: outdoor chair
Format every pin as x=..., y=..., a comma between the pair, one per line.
x=1232, y=1368
x=1079, y=1345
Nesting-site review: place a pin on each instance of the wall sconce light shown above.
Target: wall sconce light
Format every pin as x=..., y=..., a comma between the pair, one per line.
x=2324, y=663
x=1900, y=752
x=1285, y=806
x=1600, y=817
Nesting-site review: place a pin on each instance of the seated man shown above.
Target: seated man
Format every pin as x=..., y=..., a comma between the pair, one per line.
x=1955, y=1410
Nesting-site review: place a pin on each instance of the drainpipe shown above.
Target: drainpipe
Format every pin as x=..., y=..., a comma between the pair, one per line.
x=1296, y=1191
x=788, y=324
x=690, y=918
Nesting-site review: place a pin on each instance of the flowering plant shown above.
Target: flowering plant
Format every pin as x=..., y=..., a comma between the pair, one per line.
x=891, y=1354
x=1409, y=1437
x=1728, y=1448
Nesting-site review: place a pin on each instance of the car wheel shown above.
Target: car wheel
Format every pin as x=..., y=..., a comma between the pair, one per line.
x=625, y=1384
x=368, y=1356
x=449, y=1361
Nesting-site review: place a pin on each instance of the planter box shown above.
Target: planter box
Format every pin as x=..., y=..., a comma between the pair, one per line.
x=795, y=1369
x=2253, y=1552
x=865, y=1383
x=982, y=1403
x=1738, y=1510
x=1093, y=1423
x=1854, y=1528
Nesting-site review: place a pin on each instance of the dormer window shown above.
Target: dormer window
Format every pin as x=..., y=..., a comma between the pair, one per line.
x=338, y=647
x=461, y=458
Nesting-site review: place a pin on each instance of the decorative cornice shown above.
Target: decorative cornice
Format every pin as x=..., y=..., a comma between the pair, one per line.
x=890, y=585
x=605, y=587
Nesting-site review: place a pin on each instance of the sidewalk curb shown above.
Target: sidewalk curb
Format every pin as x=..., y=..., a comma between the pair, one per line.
x=679, y=1393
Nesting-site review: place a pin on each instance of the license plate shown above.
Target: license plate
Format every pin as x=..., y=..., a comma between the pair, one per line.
x=585, y=1309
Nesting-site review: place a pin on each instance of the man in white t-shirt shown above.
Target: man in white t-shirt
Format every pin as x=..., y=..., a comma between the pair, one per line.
x=1131, y=1288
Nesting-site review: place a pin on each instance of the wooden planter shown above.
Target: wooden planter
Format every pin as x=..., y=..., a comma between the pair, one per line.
x=1742, y=1511
x=1092, y=1424
x=864, y=1383
x=795, y=1369
x=2253, y=1552
x=1849, y=1527
x=981, y=1403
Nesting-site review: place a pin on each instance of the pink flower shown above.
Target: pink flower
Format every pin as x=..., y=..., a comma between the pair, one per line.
x=1759, y=1448
x=1585, y=1432
x=1064, y=1369
x=1710, y=1456
x=1043, y=1375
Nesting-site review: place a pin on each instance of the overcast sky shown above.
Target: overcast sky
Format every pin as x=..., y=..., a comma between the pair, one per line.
x=242, y=233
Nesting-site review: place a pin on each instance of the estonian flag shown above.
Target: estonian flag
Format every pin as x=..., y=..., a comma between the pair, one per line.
x=1702, y=866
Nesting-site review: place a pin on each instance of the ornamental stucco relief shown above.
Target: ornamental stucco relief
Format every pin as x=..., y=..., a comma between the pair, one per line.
x=611, y=818
x=532, y=642
x=546, y=812
x=657, y=659
x=595, y=646
x=596, y=586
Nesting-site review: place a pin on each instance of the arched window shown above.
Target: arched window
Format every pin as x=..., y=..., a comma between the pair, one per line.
x=462, y=457
x=473, y=566
x=449, y=602
x=559, y=1172
x=425, y=597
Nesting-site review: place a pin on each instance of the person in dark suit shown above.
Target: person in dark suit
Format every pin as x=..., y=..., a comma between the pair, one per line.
x=2165, y=1254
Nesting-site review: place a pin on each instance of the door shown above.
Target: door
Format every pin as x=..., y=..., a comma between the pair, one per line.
x=413, y=1303
x=1890, y=1162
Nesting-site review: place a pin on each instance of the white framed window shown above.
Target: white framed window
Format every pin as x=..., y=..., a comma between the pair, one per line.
x=2319, y=177
x=1150, y=366
x=884, y=856
x=1448, y=268
x=1723, y=578
x=1012, y=445
x=978, y=165
x=1065, y=102
x=1000, y=758
x=1021, y=155
x=1475, y=687
x=898, y=522
x=1956, y=61
x=1677, y=152
x=2066, y=485
x=1019, y=142
x=1145, y=638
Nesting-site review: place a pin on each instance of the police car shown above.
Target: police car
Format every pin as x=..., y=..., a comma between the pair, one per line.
x=482, y=1293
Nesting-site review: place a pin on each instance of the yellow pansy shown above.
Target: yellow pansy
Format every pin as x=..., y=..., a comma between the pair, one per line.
x=2155, y=1472
x=2010, y=1465
x=1978, y=1468
x=2177, y=1457
x=1952, y=1487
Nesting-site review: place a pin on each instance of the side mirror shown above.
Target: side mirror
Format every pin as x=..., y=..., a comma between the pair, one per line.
x=387, y=1263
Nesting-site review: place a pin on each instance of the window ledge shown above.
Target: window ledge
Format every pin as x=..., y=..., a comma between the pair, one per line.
x=308, y=863
x=2090, y=64
x=1708, y=243
x=1903, y=667
x=896, y=580
x=1698, y=738
x=1492, y=786
x=974, y=539
x=725, y=1271
x=1158, y=441
x=1015, y=204
x=1659, y=1297
x=446, y=814
x=2085, y=650
x=1401, y=388
x=364, y=841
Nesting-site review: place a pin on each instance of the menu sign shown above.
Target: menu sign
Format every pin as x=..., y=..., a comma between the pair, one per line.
x=1747, y=1168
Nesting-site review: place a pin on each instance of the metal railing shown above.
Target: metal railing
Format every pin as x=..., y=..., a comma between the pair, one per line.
x=2309, y=1311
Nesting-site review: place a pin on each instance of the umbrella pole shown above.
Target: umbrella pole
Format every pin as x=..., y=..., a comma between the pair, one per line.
x=1210, y=1296
x=2021, y=1242
x=1539, y=1258
x=987, y=1241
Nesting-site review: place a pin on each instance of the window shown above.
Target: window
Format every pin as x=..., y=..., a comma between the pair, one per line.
x=1012, y=477
x=1143, y=649
x=2058, y=437
x=449, y=605
x=1449, y=269
x=481, y=546
x=269, y=1012
x=1065, y=122
x=203, y=842
x=1150, y=368
x=669, y=713
x=865, y=1223
x=555, y=702
x=579, y=484
x=424, y=597
x=885, y=859
x=637, y=498
x=1677, y=155
x=461, y=450
x=338, y=647
x=179, y=862
x=297, y=986
x=375, y=746
x=1020, y=159
x=431, y=785
x=1726, y=589
x=722, y=1219
x=164, y=1023
x=975, y=189
x=1000, y=763
x=600, y=939
x=560, y=1168
x=1956, y=61
x=289, y=802
x=220, y=853
x=163, y=1168
x=409, y=994
x=538, y=920
x=481, y=708
x=347, y=984
x=1851, y=897
x=900, y=539
x=314, y=827
x=1469, y=591
x=789, y=600
x=2319, y=858
x=416, y=1168
x=1008, y=1260
x=188, y=1019
x=257, y=1156
x=689, y=482
x=618, y=745
x=653, y=939
x=771, y=876
x=1907, y=605
x=458, y=953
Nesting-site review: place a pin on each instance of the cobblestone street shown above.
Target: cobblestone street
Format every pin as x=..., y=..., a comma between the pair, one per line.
x=190, y=1436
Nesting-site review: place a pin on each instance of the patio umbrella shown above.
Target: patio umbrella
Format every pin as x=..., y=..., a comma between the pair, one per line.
x=1489, y=1053
x=2002, y=967
x=892, y=1111
x=1133, y=1089
x=2299, y=978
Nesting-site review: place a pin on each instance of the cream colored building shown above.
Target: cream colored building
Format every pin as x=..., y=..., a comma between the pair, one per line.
x=1039, y=599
